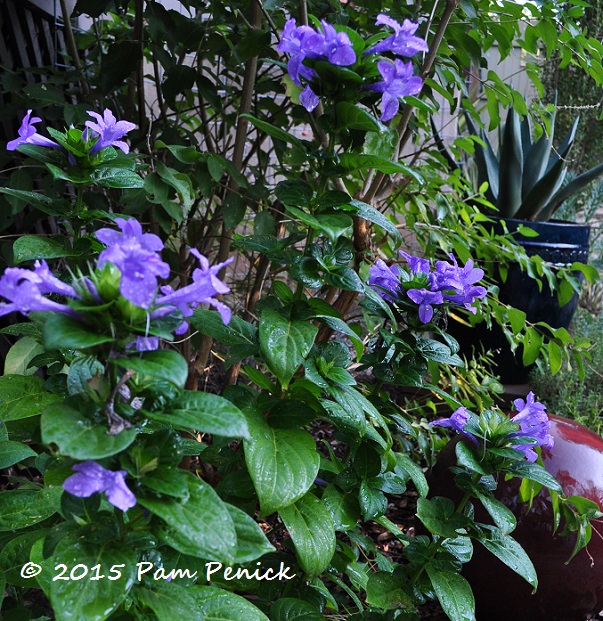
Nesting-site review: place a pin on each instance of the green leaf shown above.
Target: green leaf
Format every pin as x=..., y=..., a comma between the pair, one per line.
x=203, y=411
x=20, y=355
x=283, y=463
x=165, y=365
x=555, y=356
x=285, y=343
x=350, y=116
x=46, y=204
x=220, y=605
x=414, y=471
x=439, y=516
x=30, y=247
x=170, y=601
x=200, y=526
x=334, y=225
x=373, y=502
x=12, y=452
x=453, y=592
x=343, y=507
x=291, y=609
x=534, y=472
x=312, y=530
x=80, y=437
x=294, y=192
x=502, y=516
x=93, y=600
x=22, y=508
x=112, y=177
x=272, y=130
x=385, y=590
x=364, y=210
x=237, y=332
x=506, y=549
x=355, y=161
x=251, y=541
x=64, y=332
x=233, y=210
x=168, y=481
x=15, y=554
x=23, y=397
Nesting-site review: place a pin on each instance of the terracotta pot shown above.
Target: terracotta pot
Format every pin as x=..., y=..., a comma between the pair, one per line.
x=565, y=592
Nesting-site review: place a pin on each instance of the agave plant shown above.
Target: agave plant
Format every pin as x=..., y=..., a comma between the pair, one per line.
x=525, y=178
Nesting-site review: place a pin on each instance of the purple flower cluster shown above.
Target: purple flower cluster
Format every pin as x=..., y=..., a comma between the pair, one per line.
x=398, y=78
x=448, y=283
x=92, y=478
x=302, y=42
x=106, y=132
x=534, y=423
x=137, y=257
x=532, y=419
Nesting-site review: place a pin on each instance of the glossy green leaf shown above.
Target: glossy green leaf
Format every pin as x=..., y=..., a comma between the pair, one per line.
x=84, y=598
x=237, y=332
x=22, y=508
x=64, y=332
x=12, y=452
x=509, y=551
x=200, y=525
x=366, y=211
x=164, y=364
x=251, y=541
x=312, y=530
x=23, y=397
x=170, y=601
x=386, y=591
x=78, y=436
x=350, y=116
x=273, y=130
x=439, y=516
x=203, y=411
x=283, y=463
x=285, y=343
x=220, y=605
x=453, y=592
x=291, y=609
x=502, y=516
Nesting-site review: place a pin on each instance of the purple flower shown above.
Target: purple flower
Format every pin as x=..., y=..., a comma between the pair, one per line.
x=534, y=423
x=144, y=343
x=457, y=283
x=385, y=280
x=92, y=478
x=299, y=42
x=205, y=285
x=398, y=81
x=425, y=298
x=109, y=131
x=457, y=421
x=402, y=42
x=25, y=290
x=28, y=135
x=136, y=256
x=337, y=46
x=308, y=99
x=417, y=264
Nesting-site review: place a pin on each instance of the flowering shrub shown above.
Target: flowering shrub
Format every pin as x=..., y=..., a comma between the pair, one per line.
x=159, y=499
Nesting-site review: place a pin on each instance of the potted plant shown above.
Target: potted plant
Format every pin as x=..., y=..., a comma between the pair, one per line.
x=524, y=186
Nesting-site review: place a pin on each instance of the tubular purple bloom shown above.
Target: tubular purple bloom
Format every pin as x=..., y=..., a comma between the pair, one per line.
x=136, y=256
x=337, y=46
x=402, y=42
x=425, y=298
x=534, y=423
x=417, y=264
x=299, y=42
x=457, y=284
x=385, y=280
x=308, y=99
x=205, y=285
x=25, y=290
x=144, y=343
x=457, y=421
x=92, y=478
x=109, y=131
x=398, y=81
x=28, y=135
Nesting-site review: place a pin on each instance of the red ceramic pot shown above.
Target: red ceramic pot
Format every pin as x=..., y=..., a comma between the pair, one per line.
x=565, y=592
